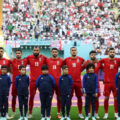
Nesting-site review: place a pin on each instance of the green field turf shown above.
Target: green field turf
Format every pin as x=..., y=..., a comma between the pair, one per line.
x=74, y=113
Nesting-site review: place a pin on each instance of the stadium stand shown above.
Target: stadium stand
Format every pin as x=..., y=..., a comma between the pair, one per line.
x=87, y=20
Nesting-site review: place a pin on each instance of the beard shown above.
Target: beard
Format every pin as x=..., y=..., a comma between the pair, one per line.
x=112, y=56
x=36, y=54
x=54, y=56
x=93, y=59
x=73, y=55
x=18, y=57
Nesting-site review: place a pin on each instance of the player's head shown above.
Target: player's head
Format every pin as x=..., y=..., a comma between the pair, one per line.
x=92, y=55
x=22, y=69
x=73, y=51
x=4, y=69
x=44, y=69
x=54, y=52
x=65, y=69
x=36, y=51
x=111, y=52
x=1, y=52
x=90, y=68
x=18, y=53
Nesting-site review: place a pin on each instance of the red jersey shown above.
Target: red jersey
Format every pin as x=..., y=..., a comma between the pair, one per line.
x=4, y=61
x=55, y=67
x=75, y=67
x=110, y=68
x=96, y=63
x=35, y=65
x=15, y=66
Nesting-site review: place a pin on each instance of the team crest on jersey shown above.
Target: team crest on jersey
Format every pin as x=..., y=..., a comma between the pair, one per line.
x=0, y=78
x=78, y=60
x=39, y=59
x=61, y=79
x=42, y=78
x=88, y=77
x=74, y=64
x=115, y=61
x=19, y=79
x=3, y=61
x=58, y=62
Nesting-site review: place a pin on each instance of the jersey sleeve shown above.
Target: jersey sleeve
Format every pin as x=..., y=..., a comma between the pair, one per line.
x=116, y=81
x=53, y=80
x=84, y=65
x=71, y=81
x=16, y=82
x=60, y=82
x=64, y=62
x=28, y=80
x=27, y=60
x=84, y=78
x=9, y=81
x=96, y=79
x=37, y=81
x=101, y=62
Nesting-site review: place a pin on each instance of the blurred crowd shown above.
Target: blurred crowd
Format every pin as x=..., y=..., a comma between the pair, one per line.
x=88, y=21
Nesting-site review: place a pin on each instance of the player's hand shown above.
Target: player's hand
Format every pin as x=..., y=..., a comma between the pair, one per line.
x=84, y=95
x=81, y=89
x=96, y=95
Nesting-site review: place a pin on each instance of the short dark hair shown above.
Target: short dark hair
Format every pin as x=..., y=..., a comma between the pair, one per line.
x=36, y=47
x=111, y=48
x=19, y=50
x=54, y=49
x=92, y=51
x=44, y=67
x=4, y=66
x=2, y=48
x=73, y=47
x=21, y=66
x=90, y=65
x=64, y=67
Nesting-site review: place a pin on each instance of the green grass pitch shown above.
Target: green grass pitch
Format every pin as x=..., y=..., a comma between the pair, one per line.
x=73, y=114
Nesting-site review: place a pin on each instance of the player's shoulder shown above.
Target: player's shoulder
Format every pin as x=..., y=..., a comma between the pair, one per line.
x=118, y=74
x=80, y=58
x=68, y=58
x=85, y=75
x=43, y=56
x=8, y=76
x=27, y=76
x=17, y=77
x=69, y=76
x=50, y=76
x=30, y=56
x=104, y=59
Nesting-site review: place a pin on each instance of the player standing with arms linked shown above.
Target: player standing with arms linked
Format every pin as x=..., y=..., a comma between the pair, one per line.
x=95, y=61
x=74, y=64
x=16, y=62
x=54, y=64
x=110, y=66
x=35, y=61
